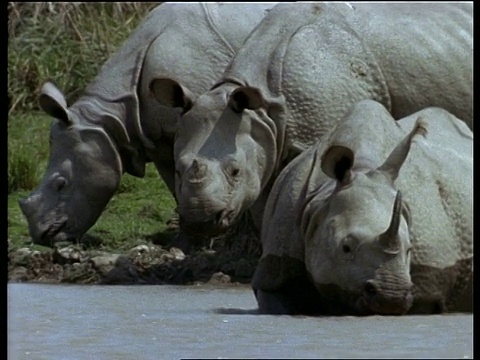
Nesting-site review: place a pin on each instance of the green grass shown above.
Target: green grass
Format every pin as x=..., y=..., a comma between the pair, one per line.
x=63, y=42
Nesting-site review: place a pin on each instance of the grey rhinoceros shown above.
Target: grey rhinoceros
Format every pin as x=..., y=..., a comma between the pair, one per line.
x=374, y=219
x=295, y=76
x=117, y=126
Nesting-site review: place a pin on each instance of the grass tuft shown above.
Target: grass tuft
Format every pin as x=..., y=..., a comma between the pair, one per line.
x=23, y=172
x=63, y=42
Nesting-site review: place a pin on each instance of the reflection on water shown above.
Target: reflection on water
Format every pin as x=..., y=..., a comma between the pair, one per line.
x=174, y=322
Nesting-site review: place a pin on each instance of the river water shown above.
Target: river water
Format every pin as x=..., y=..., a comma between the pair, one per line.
x=180, y=322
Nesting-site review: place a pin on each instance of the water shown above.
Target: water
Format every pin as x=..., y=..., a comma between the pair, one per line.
x=174, y=322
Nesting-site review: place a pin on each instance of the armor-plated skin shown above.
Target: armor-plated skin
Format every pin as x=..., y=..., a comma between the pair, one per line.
x=294, y=78
x=326, y=247
x=117, y=126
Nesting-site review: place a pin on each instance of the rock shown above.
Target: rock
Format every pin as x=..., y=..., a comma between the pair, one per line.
x=145, y=263
x=18, y=274
x=177, y=253
x=69, y=254
x=220, y=278
x=243, y=269
x=105, y=263
x=140, y=249
x=124, y=272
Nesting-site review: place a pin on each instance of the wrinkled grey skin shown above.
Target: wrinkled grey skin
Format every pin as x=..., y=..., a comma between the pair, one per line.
x=296, y=75
x=323, y=248
x=117, y=126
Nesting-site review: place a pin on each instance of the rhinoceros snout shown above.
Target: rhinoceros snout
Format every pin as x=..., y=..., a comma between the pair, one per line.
x=386, y=302
x=217, y=225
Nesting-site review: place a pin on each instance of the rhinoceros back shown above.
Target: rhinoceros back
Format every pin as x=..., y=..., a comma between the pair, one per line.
x=437, y=181
x=120, y=73
x=194, y=50
x=425, y=52
x=318, y=59
x=191, y=28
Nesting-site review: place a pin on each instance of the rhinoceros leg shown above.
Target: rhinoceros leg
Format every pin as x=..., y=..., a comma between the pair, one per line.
x=275, y=303
x=438, y=290
x=465, y=303
x=183, y=242
x=298, y=297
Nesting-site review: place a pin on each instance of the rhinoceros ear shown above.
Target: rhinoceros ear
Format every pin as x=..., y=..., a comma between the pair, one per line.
x=53, y=102
x=170, y=93
x=337, y=163
x=245, y=97
x=391, y=167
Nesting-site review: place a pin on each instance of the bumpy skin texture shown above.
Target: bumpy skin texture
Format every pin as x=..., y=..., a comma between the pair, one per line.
x=191, y=43
x=436, y=181
x=296, y=75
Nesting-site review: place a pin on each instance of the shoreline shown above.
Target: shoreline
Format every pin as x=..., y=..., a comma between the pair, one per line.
x=228, y=260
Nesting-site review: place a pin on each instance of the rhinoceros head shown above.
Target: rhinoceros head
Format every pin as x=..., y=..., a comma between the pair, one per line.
x=357, y=242
x=83, y=172
x=225, y=152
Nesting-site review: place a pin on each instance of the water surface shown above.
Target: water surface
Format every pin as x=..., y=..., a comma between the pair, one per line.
x=180, y=322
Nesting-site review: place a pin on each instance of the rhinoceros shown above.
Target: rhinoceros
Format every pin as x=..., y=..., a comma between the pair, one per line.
x=375, y=219
x=295, y=76
x=117, y=126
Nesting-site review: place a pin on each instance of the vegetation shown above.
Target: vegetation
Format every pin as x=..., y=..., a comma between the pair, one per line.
x=63, y=42
x=68, y=43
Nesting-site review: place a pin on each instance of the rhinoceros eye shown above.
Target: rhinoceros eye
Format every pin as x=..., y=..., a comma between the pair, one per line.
x=348, y=247
x=232, y=168
x=60, y=183
x=234, y=172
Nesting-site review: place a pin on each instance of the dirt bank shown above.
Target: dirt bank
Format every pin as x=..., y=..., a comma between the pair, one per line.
x=230, y=259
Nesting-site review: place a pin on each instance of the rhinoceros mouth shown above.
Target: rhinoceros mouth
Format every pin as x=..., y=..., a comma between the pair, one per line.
x=338, y=301
x=204, y=228
x=373, y=303
x=219, y=225
x=378, y=307
x=48, y=236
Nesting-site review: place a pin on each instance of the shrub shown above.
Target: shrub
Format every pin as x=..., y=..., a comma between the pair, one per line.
x=63, y=42
x=23, y=171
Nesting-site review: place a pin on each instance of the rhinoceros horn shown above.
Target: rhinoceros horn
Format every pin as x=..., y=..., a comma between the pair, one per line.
x=196, y=173
x=389, y=239
x=53, y=102
x=391, y=166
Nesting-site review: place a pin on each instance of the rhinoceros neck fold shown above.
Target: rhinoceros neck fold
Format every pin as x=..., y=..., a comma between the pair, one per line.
x=212, y=16
x=93, y=111
x=124, y=102
x=263, y=69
